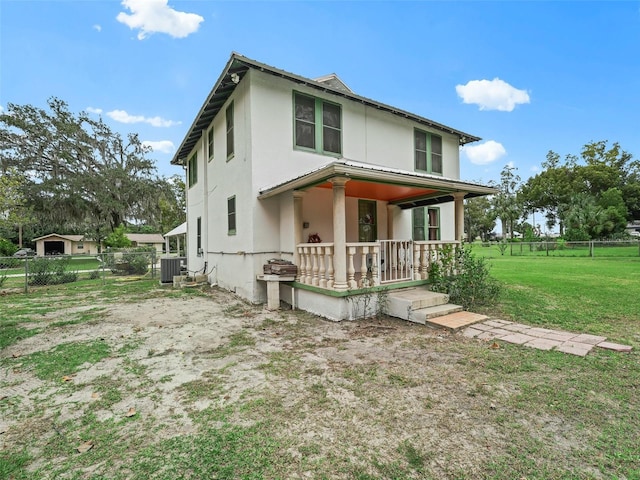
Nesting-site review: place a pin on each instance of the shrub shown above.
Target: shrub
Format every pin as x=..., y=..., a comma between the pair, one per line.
x=7, y=248
x=94, y=274
x=465, y=278
x=132, y=261
x=50, y=271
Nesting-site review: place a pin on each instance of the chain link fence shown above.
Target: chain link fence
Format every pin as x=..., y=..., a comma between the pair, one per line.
x=33, y=272
x=561, y=248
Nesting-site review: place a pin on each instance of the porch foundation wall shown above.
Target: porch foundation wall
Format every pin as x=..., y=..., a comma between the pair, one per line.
x=351, y=307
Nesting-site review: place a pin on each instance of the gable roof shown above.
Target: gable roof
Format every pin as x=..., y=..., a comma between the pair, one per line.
x=237, y=67
x=145, y=237
x=73, y=238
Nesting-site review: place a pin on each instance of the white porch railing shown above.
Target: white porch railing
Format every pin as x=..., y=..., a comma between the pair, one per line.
x=396, y=260
x=370, y=264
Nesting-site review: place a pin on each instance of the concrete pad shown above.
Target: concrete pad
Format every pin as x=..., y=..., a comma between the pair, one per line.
x=499, y=332
x=488, y=335
x=580, y=349
x=539, y=332
x=483, y=327
x=517, y=327
x=457, y=320
x=560, y=336
x=517, y=338
x=543, y=344
x=471, y=332
x=496, y=323
x=590, y=339
x=616, y=347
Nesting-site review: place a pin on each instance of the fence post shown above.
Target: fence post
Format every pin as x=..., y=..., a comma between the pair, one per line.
x=104, y=277
x=153, y=264
x=26, y=275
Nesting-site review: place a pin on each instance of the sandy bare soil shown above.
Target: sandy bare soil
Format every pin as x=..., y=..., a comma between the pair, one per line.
x=349, y=391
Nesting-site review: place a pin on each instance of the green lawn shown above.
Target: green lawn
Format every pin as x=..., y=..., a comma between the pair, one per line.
x=594, y=295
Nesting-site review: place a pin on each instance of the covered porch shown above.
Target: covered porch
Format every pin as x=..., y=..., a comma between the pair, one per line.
x=386, y=253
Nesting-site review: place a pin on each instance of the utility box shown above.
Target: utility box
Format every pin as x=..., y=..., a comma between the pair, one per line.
x=170, y=267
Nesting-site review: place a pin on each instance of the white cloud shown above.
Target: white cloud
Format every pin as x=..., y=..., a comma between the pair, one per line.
x=97, y=111
x=485, y=153
x=156, y=16
x=535, y=169
x=493, y=94
x=97, y=27
x=123, y=117
x=162, y=146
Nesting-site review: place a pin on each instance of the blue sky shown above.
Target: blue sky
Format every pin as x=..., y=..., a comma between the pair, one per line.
x=527, y=77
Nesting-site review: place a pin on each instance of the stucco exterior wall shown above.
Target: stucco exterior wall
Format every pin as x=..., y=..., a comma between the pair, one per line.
x=265, y=156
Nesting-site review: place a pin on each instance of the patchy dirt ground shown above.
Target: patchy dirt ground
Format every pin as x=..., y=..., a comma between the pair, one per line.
x=342, y=399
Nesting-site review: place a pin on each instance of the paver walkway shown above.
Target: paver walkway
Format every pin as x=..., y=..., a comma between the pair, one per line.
x=540, y=338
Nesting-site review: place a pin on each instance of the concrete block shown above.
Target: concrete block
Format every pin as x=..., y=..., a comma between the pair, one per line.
x=616, y=347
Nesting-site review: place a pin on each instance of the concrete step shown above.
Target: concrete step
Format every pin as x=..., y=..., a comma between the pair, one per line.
x=403, y=302
x=424, y=315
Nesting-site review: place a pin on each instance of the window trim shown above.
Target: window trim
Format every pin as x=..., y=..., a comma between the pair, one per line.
x=192, y=170
x=232, y=215
x=318, y=125
x=230, y=129
x=428, y=152
x=210, y=144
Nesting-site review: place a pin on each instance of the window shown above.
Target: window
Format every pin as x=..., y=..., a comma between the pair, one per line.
x=199, y=236
x=210, y=143
x=192, y=170
x=230, y=147
x=318, y=124
x=428, y=152
x=231, y=215
x=426, y=223
x=367, y=221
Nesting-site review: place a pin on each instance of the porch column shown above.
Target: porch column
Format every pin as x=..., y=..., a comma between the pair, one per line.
x=458, y=199
x=297, y=225
x=339, y=233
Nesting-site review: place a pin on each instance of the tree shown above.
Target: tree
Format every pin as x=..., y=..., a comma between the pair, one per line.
x=551, y=189
x=479, y=218
x=79, y=175
x=15, y=211
x=507, y=203
x=117, y=238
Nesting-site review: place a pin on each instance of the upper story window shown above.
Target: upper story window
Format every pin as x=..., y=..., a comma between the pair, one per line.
x=230, y=146
x=192, y=170
x=428, y=152
x=318, y=124
x=210, y=143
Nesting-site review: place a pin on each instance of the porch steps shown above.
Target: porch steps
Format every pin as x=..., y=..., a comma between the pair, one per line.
x=422, y=306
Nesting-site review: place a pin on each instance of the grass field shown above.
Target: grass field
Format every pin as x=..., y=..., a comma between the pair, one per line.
x=410, y=404
x=594, y=295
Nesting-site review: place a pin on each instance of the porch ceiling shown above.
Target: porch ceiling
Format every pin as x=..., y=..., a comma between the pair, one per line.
x=400, y=187
x=381, y=191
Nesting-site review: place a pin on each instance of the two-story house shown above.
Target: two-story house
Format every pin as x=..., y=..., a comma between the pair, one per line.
x=354, y=192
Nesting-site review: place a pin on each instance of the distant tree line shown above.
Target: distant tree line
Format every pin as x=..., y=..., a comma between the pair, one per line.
x=71, y=174
x=590, y=196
